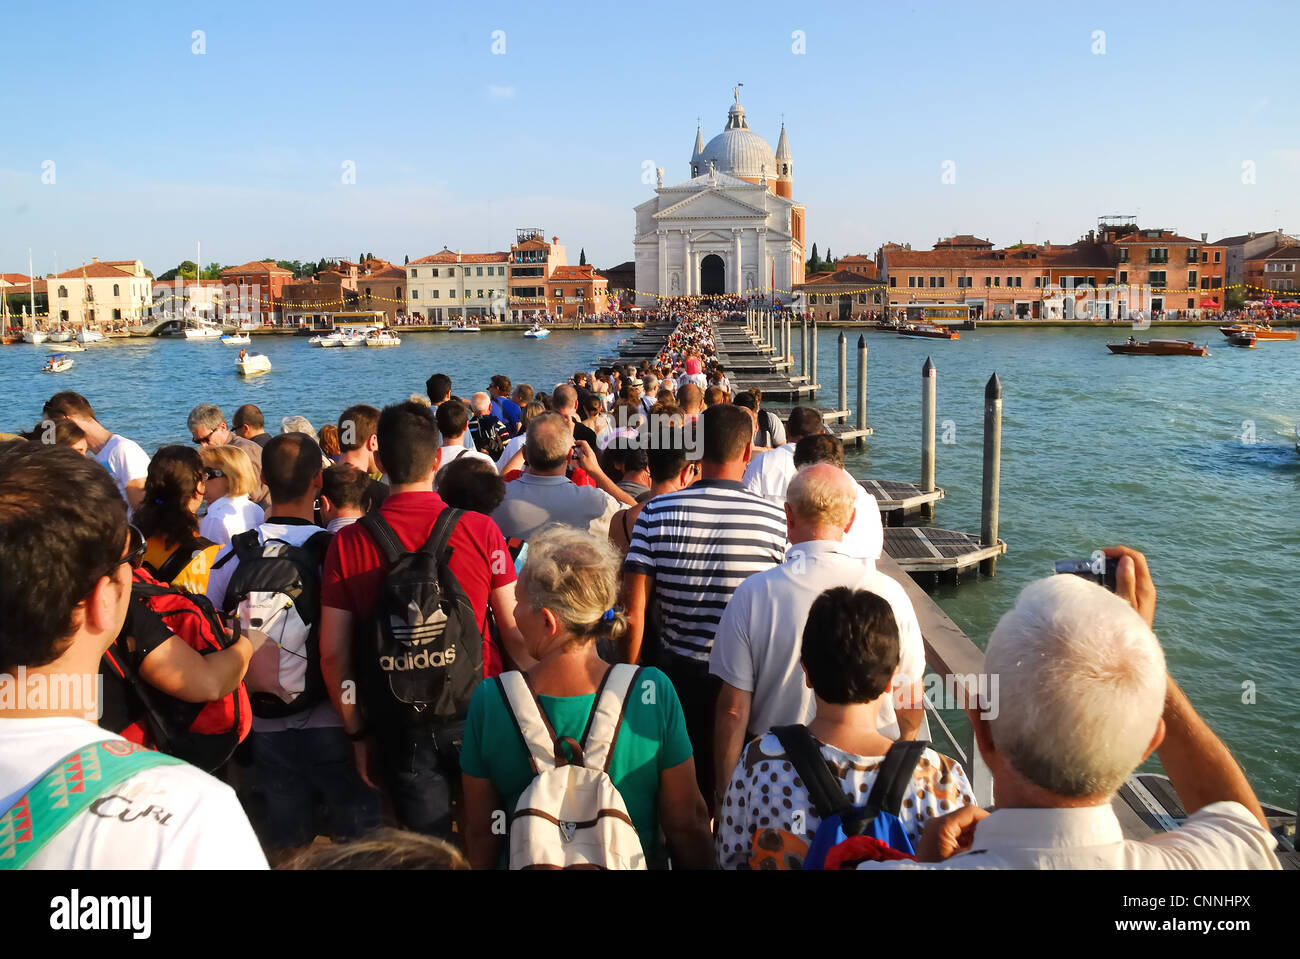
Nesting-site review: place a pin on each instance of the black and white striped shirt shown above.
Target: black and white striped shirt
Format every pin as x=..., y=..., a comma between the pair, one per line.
x=699, y=544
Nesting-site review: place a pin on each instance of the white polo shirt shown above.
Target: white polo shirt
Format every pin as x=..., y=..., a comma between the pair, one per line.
x=1222, y=835
x=756, y=647
x=533, y=502
x=769, y=474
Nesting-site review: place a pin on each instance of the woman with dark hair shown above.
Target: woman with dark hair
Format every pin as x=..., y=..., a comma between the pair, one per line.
x=168, y=517
x=469, y=483
x=59, y=432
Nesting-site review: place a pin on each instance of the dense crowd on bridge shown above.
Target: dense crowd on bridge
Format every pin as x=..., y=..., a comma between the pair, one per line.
x=402, y=632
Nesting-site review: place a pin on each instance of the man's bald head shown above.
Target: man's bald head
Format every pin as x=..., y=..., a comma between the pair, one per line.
x=548, y=442
x=565, y=399
x=482, y=403
x=821, y=497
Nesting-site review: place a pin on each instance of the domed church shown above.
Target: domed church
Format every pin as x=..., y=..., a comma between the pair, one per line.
x=728, y=228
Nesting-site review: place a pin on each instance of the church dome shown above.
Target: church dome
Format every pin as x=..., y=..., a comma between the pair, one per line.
x=738, y=150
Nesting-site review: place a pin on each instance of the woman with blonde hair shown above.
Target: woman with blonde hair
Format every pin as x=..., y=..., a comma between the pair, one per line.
x=565, y=604
x=230, y=478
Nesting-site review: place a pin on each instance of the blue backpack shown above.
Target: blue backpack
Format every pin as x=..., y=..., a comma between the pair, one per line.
x=851, y=834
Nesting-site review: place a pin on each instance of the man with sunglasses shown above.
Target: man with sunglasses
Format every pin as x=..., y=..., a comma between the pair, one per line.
x=207, y=426
x=158, y=814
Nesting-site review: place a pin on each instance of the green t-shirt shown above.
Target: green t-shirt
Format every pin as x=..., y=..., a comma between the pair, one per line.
x=651, y=739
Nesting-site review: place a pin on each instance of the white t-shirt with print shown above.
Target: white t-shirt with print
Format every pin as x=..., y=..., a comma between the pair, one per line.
x=229, y=516
x=766, y=794
x=124, y=460
x=166, y=817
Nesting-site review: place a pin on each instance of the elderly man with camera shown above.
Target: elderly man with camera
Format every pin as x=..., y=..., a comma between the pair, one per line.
x=1084, y=699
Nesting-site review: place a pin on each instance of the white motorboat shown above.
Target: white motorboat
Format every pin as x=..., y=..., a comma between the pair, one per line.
x=236, y=339
x=459, y=327
x=62, y=336
x=328, y=340
x=383, y=338
x=36, y=337
x=352, y=338
x=73, y=347
x=249, y=363
x=89, y=336
x=58, y=363
x=203, y=331
x=537, y=333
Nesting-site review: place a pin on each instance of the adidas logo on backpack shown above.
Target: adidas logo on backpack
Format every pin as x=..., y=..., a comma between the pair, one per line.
x=572, y=816
x=424, y=653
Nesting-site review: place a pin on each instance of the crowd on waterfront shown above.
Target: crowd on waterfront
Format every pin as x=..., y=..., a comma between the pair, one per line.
x=389, y=631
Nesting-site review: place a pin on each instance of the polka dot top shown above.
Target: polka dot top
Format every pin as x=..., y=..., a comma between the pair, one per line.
x=767, y=821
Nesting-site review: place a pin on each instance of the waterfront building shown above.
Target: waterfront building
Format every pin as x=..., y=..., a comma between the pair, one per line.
x=254, y=291
x=381, y=287
x=574, y=292
x=1278, y=270
x=858, y=263
x=843, y=295
x=532, y=261
x=183, y=298
x=1251, y=247
x=17, y=291
x=454, y=285
x=733, y=227
x=1176, y=273
x=115, y=291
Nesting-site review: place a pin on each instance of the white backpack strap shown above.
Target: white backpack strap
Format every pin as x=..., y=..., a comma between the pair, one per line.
x=530, y=720
x=607, y=715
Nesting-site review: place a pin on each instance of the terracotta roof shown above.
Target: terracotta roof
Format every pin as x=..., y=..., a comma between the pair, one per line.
x=449, y=256
x=256, y=266
x=840, y=278
x=389, y=273
x=14, y=277
x=856, y=258
x=1137, y=238
x=531, y=245
x=574, y=273
x=98, y=271
x=1291, y=252
x=963, y=239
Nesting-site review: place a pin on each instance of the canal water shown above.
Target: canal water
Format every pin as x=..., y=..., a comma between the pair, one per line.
x=1191, y=460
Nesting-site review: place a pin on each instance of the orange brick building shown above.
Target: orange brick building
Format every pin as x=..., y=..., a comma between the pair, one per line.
x=574, y=292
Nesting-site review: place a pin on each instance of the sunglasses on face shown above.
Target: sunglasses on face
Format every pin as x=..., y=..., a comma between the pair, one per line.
x=205, y=440
x=210, y=472
x=135, y=551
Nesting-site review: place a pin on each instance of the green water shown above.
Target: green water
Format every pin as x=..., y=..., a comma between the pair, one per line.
x=1097, y=449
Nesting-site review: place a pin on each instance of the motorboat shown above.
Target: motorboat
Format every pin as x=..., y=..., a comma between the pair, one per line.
x=58, y=363
x=383, y=338
x=249, y=363
x=928, y=331
x=1245, y=339
x=73, y=347
x=327, y=340
x=352, y=338
x=203, y=331
x=1261, y=332
x=537, y=333
x=237, y=339
x=462, y=327
x=1159, y=348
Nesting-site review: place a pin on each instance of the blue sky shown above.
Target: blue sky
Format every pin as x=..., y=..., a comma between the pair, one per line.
x=242, y=147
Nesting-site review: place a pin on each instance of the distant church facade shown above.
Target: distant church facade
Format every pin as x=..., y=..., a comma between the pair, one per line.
x=733, y=227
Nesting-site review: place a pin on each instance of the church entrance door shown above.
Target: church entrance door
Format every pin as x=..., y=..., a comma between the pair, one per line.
x=713, y=275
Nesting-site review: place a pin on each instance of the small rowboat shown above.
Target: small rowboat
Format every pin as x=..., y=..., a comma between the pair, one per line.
x=1261, y=332
x=250, y=363
x=1245, y=339
x=1159, y=348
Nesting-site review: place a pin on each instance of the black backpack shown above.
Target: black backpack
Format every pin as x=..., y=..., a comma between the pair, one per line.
x=421, y=656
x=276, y=589
x=489, y=435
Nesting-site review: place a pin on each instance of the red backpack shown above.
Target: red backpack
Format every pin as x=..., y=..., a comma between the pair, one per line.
x=203, y=734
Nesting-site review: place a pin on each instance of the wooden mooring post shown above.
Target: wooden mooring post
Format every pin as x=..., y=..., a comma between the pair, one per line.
x=862, y=387
x=992, y=471
x=803, y=345
x=929, y=397
x=812, y=359
x=842, y=362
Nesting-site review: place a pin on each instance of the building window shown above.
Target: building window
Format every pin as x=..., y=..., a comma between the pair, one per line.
x=862, y=298
x=63, y=315
x=480, y=294
x=1156, y=277
x=1191, y=278
x=63, y=292
x=997, y=281
x=415, y=273
x=397, y=293
x=911, y=281
x=117, y=290
x=988, y=281
x=1218, y=256
x=963, y=282
x=893, y=282
x=1190, y=302
x=1158, y=254
x=579, y=293
x=1123, y=276
x=1191, y=254
x=415, y=294
x=1123, y=254
x=480, y=271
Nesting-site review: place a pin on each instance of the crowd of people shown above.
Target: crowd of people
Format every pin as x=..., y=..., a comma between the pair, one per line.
x=441, y=632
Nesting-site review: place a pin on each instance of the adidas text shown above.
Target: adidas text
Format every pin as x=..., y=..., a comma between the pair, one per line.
x=421, y=660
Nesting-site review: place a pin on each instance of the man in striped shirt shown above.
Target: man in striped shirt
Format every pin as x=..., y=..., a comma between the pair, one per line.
x=697, y=545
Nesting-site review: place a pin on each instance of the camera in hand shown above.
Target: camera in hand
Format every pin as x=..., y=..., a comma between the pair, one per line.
x=1100, y=569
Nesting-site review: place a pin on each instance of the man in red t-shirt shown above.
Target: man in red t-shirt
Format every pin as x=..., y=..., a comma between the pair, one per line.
x=415, y=764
